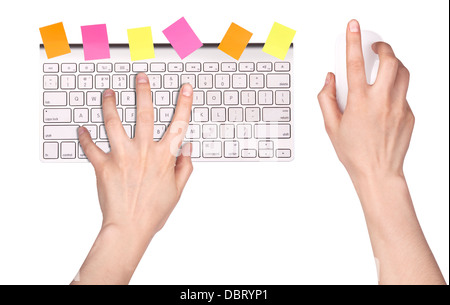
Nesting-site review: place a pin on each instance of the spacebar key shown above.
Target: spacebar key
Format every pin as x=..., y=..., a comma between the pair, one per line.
x=272, y=131
x=61, y=132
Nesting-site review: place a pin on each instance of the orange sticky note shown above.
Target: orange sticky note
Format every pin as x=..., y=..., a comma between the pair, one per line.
x=55, y=40
x=235, y=41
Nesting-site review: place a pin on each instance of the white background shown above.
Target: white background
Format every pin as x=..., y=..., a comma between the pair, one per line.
x=237, y=223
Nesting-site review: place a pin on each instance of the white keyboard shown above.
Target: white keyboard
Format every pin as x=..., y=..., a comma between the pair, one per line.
x=242, y=110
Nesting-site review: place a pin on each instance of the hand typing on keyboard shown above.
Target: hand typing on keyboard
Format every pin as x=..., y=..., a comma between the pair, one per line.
x=139, y=183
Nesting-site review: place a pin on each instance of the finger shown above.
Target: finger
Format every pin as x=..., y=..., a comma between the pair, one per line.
x=113, y=125
x=180, y=121
x=387, y=71
x=401, y=82
x=183, y=167
x=356, y=75
x=144, y=115
x=94, y=154
x=328, y=104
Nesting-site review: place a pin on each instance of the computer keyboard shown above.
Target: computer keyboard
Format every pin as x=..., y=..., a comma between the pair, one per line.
x=242, y=110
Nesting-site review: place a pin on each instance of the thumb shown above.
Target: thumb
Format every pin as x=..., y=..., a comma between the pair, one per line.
x=328, y=104
x=183, y=167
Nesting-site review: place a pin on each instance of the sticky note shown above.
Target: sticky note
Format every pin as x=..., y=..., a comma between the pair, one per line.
x=279, y=41
x=55, y=40
x=182, y=38
x=141, y=43
x=95, y=41
x=235, y=41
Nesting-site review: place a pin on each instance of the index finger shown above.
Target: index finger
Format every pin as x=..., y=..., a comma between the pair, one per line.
x=180, y=121
x=356, y=74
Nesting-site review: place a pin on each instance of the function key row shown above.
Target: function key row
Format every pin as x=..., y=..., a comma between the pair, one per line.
x=170, y=67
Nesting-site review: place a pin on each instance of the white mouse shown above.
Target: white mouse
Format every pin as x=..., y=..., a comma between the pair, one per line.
x=370, y=59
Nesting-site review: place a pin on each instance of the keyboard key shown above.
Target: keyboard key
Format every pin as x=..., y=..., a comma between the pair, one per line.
x=212, y=149
x=162, y=98
x=158, y=67
x=104, y=145
x=239, y=81
x=222, y=81
x=57, y=115
x=256, y=80
x=218, y=114
x=51, y=68
x=199, y=98
x=130, y=115
x=244, y=131
x=140, y=67
x=229, y=67
x=209, y=131
x=87, y=67
x=246, y=67
x=272, y=131
x=205, y=81
x=282, y=97
x=92, y=130
x=226, y=131
x=282, y=66
x=155, y=81
x=68, y=81
x=50, y=81
x=214, y=97
x=265, y=145
x=96, y=115
x=211, y=67
x=68, y=150
x=119, y=81
x=248, y=153
x=55, y=98
x=283, y=153
x=175, y=67
x=188, y=79
x=81, y=115
x=235, y=114
x=85, y=81
x=102, y=81
x=196, y=151
x=60, y=132
x=252, y=114
x=193, y=132
x=128, y=98
x=272, y=114
x=265, y=153
x=166, y=114
x=158, y=131
x=231, y=149
x=68, y=68
x=50, y=150
x=248, y=97
x=104, y=67
x=171, y=81
x=122, y=67
x=76, y=98
x=264, y=67
x=278, y=81
x=265, y=97
x=93, y=98
x=200, y=114
x=231, y=98
x=193, y=67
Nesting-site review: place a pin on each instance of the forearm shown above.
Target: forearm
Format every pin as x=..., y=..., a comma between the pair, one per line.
x=399, y=245
x=113, y=258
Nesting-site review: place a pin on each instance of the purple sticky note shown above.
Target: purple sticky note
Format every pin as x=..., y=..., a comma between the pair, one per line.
x=95, y=41
x=182, y=38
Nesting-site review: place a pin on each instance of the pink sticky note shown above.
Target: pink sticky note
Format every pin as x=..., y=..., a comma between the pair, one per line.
x=95, y=41
x=182, y=38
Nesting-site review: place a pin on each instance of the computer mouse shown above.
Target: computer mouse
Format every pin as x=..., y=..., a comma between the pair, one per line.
x=371, y=62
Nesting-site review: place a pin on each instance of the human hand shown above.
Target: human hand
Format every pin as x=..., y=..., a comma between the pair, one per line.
x=140, y=181
x=373, y=134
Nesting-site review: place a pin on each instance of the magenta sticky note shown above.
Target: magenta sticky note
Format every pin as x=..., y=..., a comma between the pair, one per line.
x=95, y=41
x=182, y=38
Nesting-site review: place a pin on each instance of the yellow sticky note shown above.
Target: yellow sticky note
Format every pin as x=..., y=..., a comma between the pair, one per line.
x=55, y=40
x=140, y=41
x=235, y=41
x=279, y=41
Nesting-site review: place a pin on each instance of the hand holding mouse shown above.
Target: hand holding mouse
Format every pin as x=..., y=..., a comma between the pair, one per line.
x=371, y=138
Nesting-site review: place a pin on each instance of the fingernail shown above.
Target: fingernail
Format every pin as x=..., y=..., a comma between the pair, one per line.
x=328, y=78
x=353, y=26
x=108, y=92
x=141, y=79
x=187, y=90
x=81, y=130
